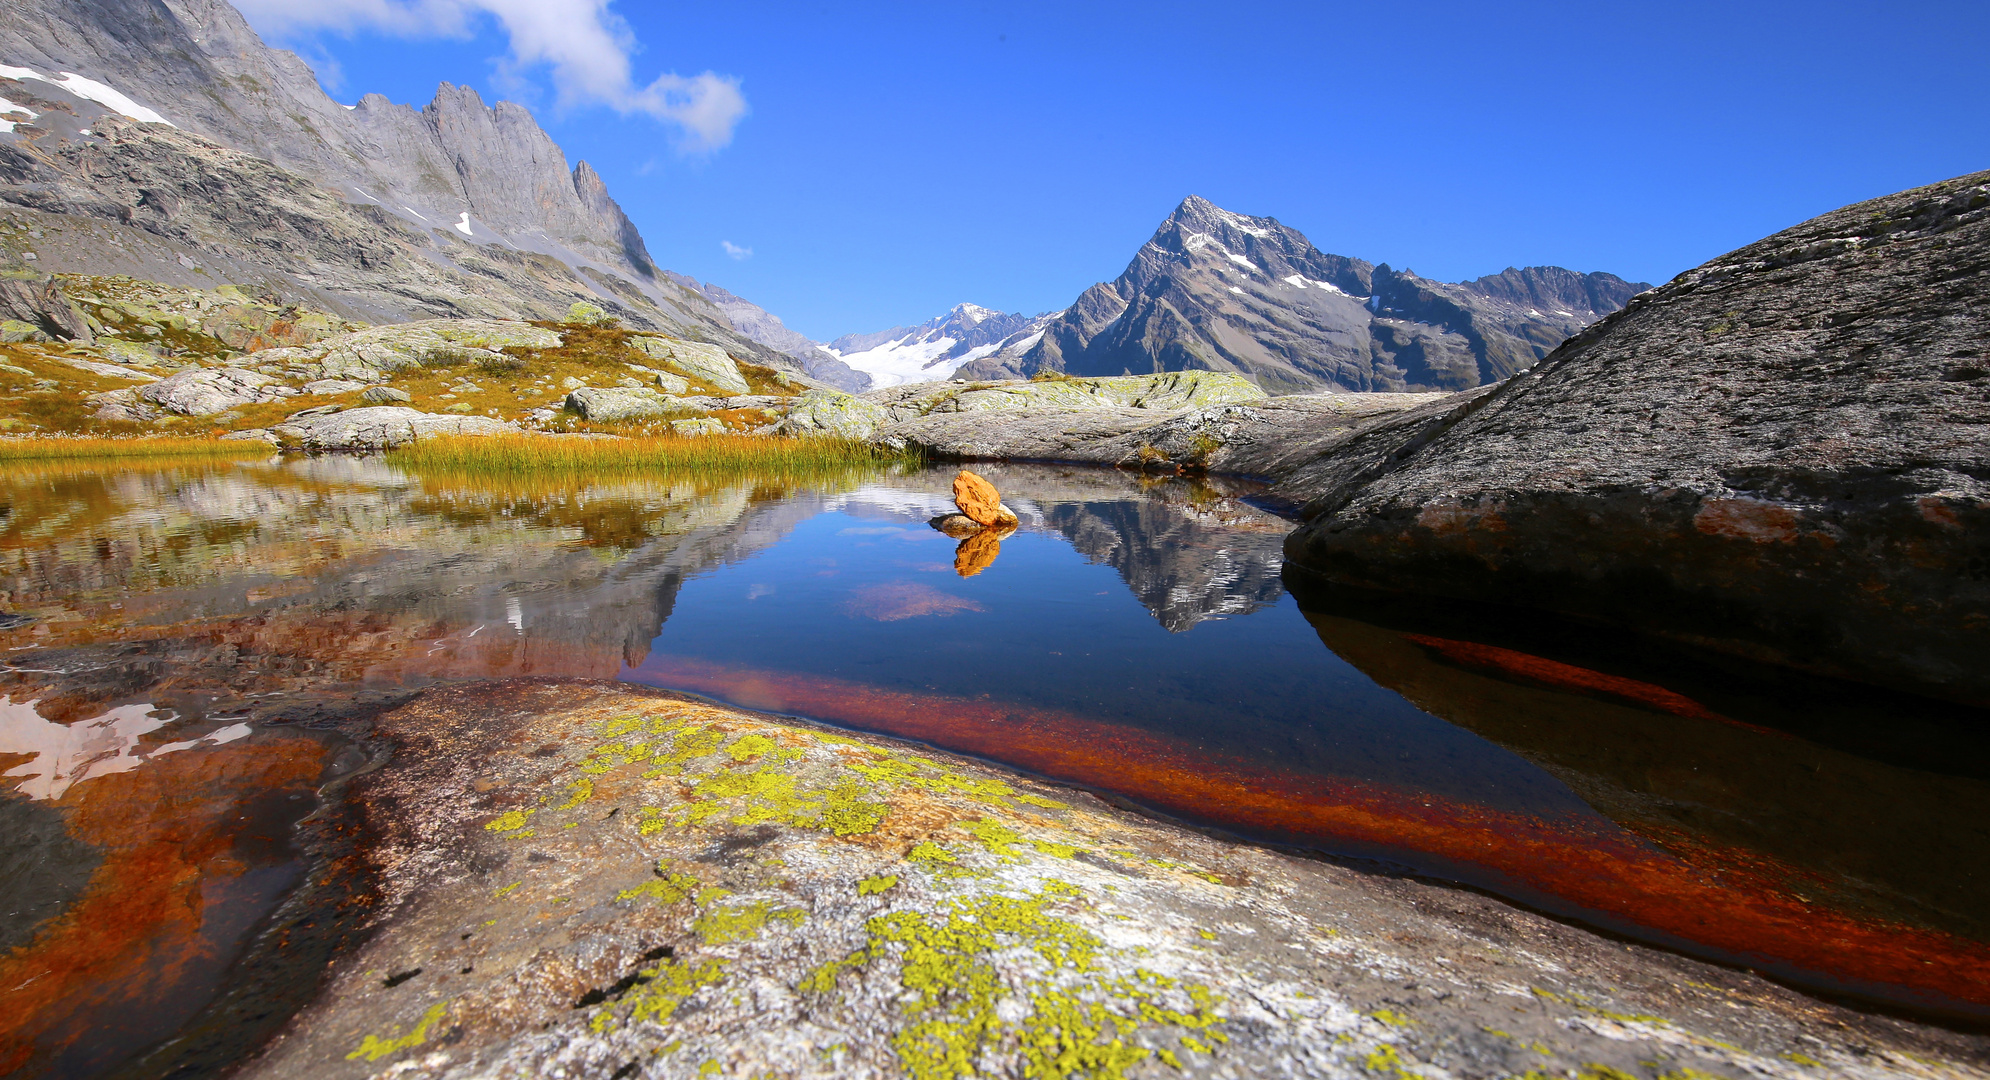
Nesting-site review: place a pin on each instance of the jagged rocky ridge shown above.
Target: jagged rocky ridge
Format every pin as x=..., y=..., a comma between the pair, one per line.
x=378, y=211
x=1220, y=291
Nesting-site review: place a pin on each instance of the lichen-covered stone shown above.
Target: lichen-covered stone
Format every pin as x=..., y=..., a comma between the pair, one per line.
x=380, y=428
x=708, y=364
x=385, y=395
x=596, y=880
x=367, y=354
x=832, y=412
x=206, y=391
x=616, y=403
x=703, y=425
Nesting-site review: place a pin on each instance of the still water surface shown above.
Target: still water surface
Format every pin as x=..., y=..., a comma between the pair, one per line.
x=194, y=652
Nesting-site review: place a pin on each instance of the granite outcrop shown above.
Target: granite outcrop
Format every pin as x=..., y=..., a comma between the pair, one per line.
x=1784, y=453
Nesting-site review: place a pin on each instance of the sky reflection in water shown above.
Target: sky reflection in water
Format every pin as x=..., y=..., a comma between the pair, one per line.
x=1134, y=636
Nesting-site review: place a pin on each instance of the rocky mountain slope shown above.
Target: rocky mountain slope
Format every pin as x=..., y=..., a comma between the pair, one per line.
x=1215, y=290
x=937, y=348
x=1784, y=453
x=251, y=175
x=767, y=328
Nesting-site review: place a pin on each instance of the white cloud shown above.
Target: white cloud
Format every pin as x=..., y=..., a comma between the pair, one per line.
x=584, y=46
x=737, y=252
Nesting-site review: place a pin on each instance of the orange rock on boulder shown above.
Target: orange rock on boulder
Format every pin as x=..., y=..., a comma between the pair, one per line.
x=978, y=499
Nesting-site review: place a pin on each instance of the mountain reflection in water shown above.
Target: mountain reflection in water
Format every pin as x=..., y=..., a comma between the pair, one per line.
x=219, y=625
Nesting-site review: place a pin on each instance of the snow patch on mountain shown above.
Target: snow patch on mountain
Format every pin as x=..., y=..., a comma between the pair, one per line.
x=937, y=348
x=89, y=90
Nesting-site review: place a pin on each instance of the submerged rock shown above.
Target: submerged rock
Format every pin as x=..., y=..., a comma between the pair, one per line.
x=595, y=880
x=1784, y=453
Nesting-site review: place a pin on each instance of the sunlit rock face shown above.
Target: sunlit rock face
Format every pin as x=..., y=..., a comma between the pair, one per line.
x=1214, y=290
x=582, y=879
x=1781, y=453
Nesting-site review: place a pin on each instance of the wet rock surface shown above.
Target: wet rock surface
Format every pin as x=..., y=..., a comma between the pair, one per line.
x=1784, y=453
x=592, y=880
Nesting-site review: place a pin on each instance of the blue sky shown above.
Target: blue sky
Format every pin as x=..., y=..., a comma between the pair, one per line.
x=894, y=160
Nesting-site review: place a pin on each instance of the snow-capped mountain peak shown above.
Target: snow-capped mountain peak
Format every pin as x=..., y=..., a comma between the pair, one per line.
x=936, y=348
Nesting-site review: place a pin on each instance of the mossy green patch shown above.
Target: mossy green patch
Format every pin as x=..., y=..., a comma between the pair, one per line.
x=510, y=821
x=659, y=991
x=667, y=889
x=373, y=1048
x=998, y=838
x=1078, y=1023
x=772, y=794
x=749, y=747
x=722, y=925
x=583, y=790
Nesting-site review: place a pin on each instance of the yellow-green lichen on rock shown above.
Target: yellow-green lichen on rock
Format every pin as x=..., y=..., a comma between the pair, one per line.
x=714, y=892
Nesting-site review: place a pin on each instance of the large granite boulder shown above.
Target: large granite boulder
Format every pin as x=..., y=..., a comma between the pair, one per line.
x=1784, y=453
x=206, y=391
x=706, y=363
x=366, y=355
x=615, y=403
x=833, y=412
x=380, y=428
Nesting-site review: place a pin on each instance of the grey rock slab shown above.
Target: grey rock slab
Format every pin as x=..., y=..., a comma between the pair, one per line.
x=1271, y=438
x=206, y=391
x=385, y=395
x=706, y=363
x=616, y=403
x=1784, y=453
x=381, y=427
x=333, y=386
x=111, y=370
x=1168, y=391
x=833, y=412
x=575, y=877
x=700, y=426
x=398, y=346
x=664, y=380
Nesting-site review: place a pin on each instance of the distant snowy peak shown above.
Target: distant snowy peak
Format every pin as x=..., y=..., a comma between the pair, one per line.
x=936, y=348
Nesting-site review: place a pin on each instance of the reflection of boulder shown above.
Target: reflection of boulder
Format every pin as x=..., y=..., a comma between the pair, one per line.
x=1696, y=771
x=1189, y=550
x=977, y=551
